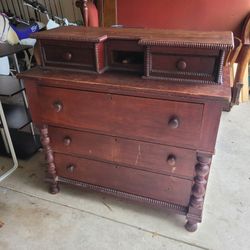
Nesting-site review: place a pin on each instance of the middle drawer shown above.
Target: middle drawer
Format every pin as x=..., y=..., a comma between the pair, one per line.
x=136, y=154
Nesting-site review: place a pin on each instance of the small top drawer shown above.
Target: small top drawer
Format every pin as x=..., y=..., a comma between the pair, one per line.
x=184, y=63
x=71, y=55
x=160, y=121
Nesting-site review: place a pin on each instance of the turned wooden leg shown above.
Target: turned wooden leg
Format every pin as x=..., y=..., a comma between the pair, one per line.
x=54, y=188
x=194, y=215
x=191, y=226
x=52, y=177
x=236, y=94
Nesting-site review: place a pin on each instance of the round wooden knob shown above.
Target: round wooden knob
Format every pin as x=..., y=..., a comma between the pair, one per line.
x=67, y=56
x=174, y=122
x=181, y=65
x=171, y=160
x=71, y=168
x=67, y=140
x=57, y=106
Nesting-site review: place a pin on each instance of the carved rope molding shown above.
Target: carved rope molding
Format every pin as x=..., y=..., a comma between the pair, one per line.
x=97, y=52
x=171, y=206
x=184, y=44
x=179, y=80
x=181, y=73
x=219, y=74
x=147, y=61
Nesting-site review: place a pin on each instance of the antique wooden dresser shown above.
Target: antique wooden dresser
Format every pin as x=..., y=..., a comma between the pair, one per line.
x=131, y=112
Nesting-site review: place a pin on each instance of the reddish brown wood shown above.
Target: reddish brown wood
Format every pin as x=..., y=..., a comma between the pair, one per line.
x=157, y=186
x=243, y=61
x=70, y=55
x=131, y=117
x=178, y=38
x=185, y=55
x=120, y=134
x=132, y=85
x=210, y=125
x=184, y=63
x=100, y=57
x=52, y=174
x=141, y=155
x=198, y=191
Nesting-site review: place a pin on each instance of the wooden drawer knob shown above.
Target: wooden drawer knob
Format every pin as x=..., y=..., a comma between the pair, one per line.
x=71, y=168
x=67, y=56
x=57, y=106
x=171, y=160
x=174, y=122
x=181, y=65
x=67, y=140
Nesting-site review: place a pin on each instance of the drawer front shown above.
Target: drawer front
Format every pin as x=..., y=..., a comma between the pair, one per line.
x=69, y=55
x=136, y=154
x=181, y=63
x=147, y=119
x=156, y=186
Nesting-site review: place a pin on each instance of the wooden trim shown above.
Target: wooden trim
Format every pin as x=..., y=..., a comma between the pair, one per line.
x=109, y=12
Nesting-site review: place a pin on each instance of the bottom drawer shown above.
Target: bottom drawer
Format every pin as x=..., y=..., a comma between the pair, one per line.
x=134, y=181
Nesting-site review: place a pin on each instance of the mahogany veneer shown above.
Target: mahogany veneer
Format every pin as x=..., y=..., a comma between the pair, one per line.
x=139, y=139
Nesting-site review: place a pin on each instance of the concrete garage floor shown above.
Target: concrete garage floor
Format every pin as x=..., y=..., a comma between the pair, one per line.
x=79, y=219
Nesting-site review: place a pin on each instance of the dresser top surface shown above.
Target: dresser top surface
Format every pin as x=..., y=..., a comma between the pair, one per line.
x=131, y=84
x=146, y=36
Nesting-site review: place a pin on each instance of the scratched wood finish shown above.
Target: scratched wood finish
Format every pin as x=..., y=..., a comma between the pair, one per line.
x=197, y=63
x=141, y=52
x=101, y=34
x=141, y=139
x=69, y=55
x=160, y=187
x=131, y=84
x=134, y=117
x=135, y=154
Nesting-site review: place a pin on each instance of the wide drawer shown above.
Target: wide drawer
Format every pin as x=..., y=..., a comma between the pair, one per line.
x=69, y=55
x=136, y=154
x=147, y=119
x=156, y=186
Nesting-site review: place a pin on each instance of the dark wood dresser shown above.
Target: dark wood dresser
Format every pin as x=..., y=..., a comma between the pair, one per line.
x=136, y=115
